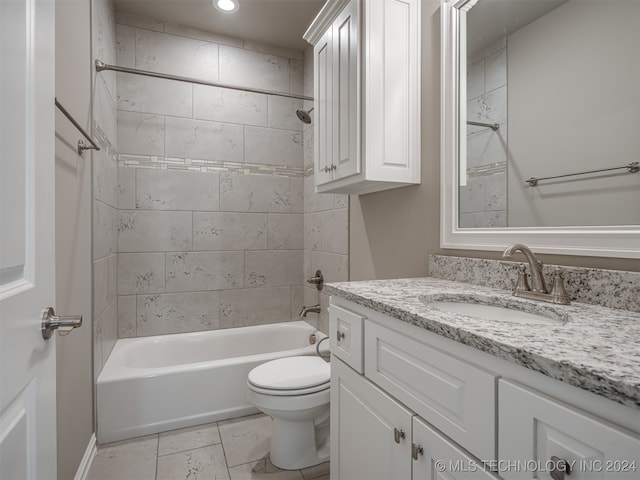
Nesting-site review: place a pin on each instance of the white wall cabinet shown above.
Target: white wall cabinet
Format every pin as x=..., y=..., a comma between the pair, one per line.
x=367, y=95
x=421, y=406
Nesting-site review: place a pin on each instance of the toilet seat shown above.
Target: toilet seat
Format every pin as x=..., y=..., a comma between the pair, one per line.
x=290, y=376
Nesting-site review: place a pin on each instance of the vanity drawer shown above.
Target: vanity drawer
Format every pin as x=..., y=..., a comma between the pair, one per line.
x=345, y=332
x=455, y=397
x=534, y=427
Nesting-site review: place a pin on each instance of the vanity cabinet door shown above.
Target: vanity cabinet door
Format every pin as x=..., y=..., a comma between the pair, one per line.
x=454, y=396
x=535, y=428
x=370, y=432
x=436, y=457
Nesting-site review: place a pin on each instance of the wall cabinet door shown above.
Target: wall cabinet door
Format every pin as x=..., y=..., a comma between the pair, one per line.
x=346, y=159
x=370, y=432
x=323, y=121
x=436, y=457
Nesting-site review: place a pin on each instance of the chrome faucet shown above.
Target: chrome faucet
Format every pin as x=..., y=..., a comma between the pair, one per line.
x=312, y=309
x=538, y=289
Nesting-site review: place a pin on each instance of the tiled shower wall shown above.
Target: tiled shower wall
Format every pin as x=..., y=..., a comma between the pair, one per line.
x=326, y=217
x=483, y=201
x=210, y=221
x=105, y=180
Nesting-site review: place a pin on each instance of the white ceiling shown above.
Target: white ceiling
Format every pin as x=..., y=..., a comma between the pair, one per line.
x=277, y=22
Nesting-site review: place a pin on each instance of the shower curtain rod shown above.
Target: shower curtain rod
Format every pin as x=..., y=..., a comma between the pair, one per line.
x=100, y=66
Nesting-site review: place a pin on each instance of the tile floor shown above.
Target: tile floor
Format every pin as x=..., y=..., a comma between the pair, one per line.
x=235, y=449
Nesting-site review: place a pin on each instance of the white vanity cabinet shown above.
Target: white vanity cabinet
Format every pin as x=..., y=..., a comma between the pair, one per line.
x=367, y=95
x=535, y=427
x=409, y=404
x=376, y=429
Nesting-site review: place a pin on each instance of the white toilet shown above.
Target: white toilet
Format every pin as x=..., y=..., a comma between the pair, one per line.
x=294, y=391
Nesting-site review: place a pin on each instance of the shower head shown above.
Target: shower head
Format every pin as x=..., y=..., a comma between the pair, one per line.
x=304, y=116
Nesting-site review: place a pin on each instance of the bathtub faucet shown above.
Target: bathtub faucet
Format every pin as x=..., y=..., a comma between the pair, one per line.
x=305, y=310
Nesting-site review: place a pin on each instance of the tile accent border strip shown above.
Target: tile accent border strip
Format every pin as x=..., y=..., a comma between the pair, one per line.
x=196, y=165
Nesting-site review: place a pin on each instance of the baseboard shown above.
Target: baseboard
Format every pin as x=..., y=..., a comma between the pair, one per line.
x=87, y=459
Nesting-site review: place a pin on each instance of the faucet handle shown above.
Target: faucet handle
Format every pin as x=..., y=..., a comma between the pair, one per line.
x=558, y=292
x=522, y=284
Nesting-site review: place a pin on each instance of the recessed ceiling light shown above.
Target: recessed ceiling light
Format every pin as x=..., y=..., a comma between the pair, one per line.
x=226, y=6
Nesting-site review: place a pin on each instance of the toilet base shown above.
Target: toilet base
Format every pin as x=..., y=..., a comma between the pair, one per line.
x=299, y=444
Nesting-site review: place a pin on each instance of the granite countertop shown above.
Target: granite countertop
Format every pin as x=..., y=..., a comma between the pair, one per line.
x=592, y=347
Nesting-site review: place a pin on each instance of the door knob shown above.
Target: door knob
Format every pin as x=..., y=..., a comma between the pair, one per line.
x=64, y=324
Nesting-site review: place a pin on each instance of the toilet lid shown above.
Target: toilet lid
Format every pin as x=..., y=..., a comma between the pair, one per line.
x=291, y=373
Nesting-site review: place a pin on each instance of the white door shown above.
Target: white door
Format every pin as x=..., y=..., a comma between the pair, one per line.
x=27, y=361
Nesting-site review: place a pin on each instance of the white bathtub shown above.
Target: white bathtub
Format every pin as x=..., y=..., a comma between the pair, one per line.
x=154, y=384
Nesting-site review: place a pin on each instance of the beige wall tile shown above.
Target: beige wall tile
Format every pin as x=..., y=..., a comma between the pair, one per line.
x=286, y=231
x=175, y=55
x=141, y=273
x=177, y=312
x=177, y=190
x=229, y=106
x=154, y=95
x=127, y=316
x=187, y=138
x=270, y=146
x=254, y=306
x=104, y=230
x=229, y=231
x=141, y=133
x=273, y=268
x=253, y=69
x=154, y=231
x=200, y=271
x=254, y=193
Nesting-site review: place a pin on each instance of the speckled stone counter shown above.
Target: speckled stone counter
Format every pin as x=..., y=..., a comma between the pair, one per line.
x=592, y=347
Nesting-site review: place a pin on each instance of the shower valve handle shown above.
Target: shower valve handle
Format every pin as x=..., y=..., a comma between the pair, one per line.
x=317, y=280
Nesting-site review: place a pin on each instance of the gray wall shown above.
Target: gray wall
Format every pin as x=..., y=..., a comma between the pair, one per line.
x=73, y=236
x=392, y=233
x=574, y=105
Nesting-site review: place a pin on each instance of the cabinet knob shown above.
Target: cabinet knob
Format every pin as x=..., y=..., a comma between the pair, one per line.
x=339, y=335
x=334, y=167
x=560, y=468
x=398, y=433
x=416, y=450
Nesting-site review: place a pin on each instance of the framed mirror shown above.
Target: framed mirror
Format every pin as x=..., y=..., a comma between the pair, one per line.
x=541, y=126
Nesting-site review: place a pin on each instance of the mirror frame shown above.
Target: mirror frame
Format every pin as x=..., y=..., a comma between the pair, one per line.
x=600, y=241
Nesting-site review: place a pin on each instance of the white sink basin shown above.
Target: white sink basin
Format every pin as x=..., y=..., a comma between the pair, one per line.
x=497, y=309
x=490, y=312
